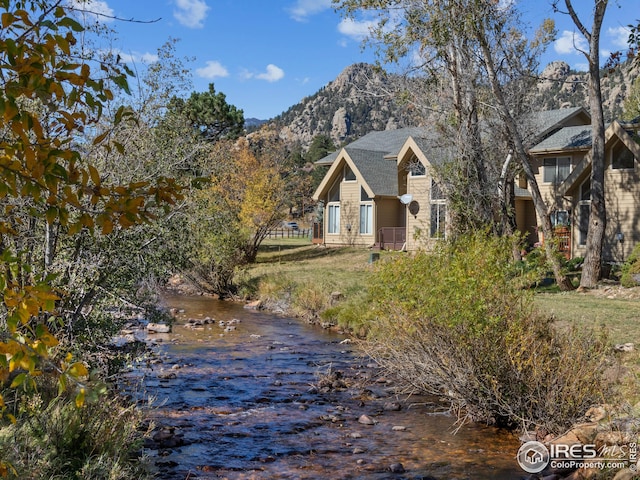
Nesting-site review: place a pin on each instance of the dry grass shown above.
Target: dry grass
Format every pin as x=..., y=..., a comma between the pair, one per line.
x=334, y=269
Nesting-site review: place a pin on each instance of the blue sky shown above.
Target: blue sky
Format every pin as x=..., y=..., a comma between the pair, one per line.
x=267, y=55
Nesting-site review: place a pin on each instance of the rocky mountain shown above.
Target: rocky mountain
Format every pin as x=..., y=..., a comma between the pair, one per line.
x=352, y=105
x=358, y=101
x=561, y=87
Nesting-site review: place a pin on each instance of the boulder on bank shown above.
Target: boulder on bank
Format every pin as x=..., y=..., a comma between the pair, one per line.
x=158, y=328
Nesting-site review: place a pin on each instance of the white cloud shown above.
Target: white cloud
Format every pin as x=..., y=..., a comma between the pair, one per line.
x=191, y=13
x=212, y=70
x=273, y=74
x=619, y=36
x=303, y=9
x=569, y=42
x=130, y=57
x=134, y=57
x=92, y=10
x=354, y=29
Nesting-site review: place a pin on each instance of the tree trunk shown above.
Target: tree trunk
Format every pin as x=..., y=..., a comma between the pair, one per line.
x=592, y=268
x=541, y=208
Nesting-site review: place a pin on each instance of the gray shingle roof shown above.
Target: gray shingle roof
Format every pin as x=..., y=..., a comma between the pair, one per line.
x=374, y=155
x=387, y=141
x=568, y=138
x=379, y=173
x=538, y=124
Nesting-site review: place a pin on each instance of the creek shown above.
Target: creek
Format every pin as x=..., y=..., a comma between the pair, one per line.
x=276, y=398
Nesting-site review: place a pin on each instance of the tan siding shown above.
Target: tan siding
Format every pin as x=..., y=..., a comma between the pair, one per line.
x=418, y=226
x=526, y=220
x=350, y=217
x=389, y=213
x=623, y=213
x=549, y=191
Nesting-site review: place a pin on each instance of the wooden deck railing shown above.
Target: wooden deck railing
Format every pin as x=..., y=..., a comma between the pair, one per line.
x=391, y=238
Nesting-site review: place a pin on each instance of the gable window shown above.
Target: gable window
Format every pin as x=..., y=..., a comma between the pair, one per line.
x=556, y=169
x=334, y=193
x=349, y=176
x=621, y=157
x=416, y=168
x=333, y=225
x=438, y=211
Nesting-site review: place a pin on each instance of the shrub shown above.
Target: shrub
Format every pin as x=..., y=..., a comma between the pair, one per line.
x=457, y=322
x=310, y=300
x=631, y=268
x=275, y=291
x=56, y=439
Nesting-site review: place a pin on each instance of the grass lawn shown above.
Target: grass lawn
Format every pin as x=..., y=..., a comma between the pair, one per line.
x=336, y=269
x=345, y=269
x=620, y=316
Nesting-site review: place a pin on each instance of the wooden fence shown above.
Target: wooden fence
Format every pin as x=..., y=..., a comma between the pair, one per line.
x=289, y=233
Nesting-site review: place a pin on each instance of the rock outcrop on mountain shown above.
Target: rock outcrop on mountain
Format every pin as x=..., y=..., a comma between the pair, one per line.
x=355, y=103
x=361, y=99
x=560, y=87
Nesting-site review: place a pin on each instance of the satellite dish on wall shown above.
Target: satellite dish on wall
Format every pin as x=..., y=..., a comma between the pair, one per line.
x=406, y=198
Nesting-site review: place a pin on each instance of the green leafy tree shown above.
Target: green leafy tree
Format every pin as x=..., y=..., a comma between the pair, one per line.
x=210, y=113
x=48, y=100
x=233, y=213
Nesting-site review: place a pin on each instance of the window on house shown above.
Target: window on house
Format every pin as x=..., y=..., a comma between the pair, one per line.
x=416, y=167
x=363, y=196
x=559, y=218
x=366, y=219
x=438, y=211
x=585, y=190
x=585, y=208
x=334, y=193
x=438, y=220
x=333, y=225
x=556, y=169
x=621, y=157
x=349, y=176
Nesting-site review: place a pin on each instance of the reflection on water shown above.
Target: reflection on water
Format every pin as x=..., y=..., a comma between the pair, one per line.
x=243, y=405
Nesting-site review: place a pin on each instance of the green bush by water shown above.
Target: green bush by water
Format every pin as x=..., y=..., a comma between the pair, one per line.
x=458, y=322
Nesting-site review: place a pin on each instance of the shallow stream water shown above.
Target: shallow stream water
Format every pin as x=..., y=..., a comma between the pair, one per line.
x=276, y=398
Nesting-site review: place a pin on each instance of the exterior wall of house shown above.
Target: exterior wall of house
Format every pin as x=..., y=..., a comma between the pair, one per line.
x=622, y=198
x=549, y=190
x=389, y=213
x=349, y=233
x=418, y=226
x=526, y=220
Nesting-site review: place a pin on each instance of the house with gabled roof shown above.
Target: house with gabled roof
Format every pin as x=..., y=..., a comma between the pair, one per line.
x=382, y=190
x=563, y=169
x=378, y=189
